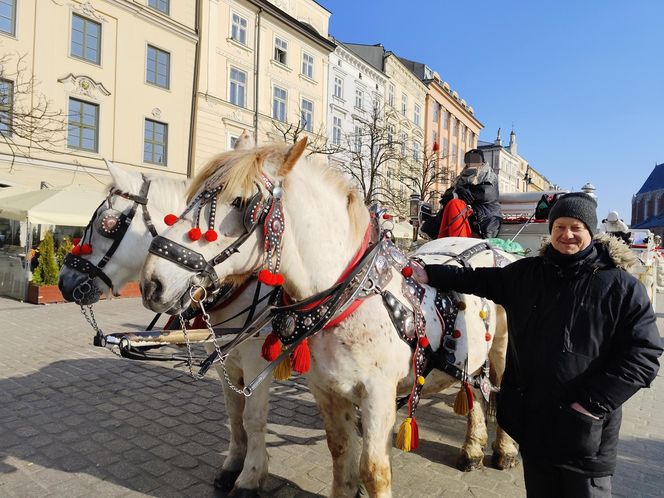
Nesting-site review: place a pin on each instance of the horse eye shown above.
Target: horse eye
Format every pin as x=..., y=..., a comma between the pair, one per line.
x=238, y=203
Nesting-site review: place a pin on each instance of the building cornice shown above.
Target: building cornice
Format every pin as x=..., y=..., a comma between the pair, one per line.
x=406, y=72
x=308, y=32
x=153, y=16
x=455, y=101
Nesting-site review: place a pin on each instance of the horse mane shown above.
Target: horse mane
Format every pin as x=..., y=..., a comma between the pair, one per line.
x=239, y=171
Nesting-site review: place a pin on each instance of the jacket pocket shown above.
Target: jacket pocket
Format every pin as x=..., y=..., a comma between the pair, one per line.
x=577, y=435
x=510, y=411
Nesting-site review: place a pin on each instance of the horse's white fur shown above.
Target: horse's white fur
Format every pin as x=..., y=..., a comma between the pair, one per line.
x=247, y=452
x=358, y=363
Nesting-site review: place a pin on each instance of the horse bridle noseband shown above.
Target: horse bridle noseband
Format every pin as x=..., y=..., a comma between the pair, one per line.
x=254, y=215
x=111, y=224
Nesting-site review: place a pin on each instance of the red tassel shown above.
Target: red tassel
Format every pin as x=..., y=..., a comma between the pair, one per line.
x=170, y=219
x=86, y=249
x=407, y=271
x=387, y=216
x=271, y=347
x=210, y=235
x=414, y=434
x=195, y=233
x=424, y=342
x=278, y=279
x=469, y=395
x=302, y=357
x=76, y=240
x=76, y=250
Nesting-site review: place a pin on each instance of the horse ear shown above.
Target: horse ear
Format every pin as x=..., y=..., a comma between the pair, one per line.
x=293, y=155
x=123, y=179
x=244, y=141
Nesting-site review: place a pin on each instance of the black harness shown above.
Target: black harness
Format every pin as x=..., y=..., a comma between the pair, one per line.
x=112, y=224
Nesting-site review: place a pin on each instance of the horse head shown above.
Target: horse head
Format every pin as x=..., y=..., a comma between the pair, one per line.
x=117, y=238
x=228, y=203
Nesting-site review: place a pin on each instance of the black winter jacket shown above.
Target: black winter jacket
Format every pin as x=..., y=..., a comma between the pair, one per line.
x=585, y=332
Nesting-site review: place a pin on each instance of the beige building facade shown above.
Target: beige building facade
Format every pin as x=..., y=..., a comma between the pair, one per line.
x=263, y=68
x=120, y=74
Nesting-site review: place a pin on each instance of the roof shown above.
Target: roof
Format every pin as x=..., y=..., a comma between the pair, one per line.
x=652, y=222
x=417, y=68
x=655, y=181
x=372, y=54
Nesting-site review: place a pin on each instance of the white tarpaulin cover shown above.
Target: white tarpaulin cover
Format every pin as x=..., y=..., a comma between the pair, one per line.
x=70, y=206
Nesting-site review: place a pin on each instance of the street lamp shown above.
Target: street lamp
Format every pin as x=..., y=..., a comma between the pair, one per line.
x=415, y=199
x=527, y=178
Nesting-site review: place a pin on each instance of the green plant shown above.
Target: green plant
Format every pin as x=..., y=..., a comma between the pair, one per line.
x=64, y=249
x=46, y=272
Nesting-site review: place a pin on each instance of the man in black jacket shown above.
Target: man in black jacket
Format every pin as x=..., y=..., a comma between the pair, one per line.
x=583, y=340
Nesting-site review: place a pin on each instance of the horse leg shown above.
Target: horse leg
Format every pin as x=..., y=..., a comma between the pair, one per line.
x=504, y=448
x=472, y=451
x=237, y=449
x=339, y=416
x=255, y=468
x=378, y=416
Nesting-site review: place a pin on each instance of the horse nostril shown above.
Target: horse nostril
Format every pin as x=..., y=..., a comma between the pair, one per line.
x=152, y=289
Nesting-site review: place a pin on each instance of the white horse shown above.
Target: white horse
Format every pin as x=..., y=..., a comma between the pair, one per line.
x=246, y=466
x=360, y=362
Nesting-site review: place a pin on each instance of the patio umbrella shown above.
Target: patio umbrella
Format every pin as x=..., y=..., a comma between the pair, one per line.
x=70, y=206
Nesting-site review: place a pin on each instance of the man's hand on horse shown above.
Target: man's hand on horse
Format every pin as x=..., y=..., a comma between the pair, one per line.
x=419, y=273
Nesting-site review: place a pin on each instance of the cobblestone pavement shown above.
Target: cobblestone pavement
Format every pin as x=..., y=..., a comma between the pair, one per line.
x=77, y=421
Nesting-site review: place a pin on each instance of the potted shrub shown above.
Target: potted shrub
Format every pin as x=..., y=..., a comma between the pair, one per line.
x=44, y=285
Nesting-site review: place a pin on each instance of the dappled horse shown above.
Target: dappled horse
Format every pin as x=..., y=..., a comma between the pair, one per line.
x=298, y=221
x=246, y=465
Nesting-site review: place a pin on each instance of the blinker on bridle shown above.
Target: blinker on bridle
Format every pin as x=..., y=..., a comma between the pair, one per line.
x=112, y=224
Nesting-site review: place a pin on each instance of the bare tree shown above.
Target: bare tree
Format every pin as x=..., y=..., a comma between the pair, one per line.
x=291, y=133
x=28, y=119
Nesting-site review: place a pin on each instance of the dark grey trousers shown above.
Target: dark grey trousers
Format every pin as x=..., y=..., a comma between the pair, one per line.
x=547, y=481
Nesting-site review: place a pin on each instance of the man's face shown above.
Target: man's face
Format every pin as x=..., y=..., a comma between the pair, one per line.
x=569, y=235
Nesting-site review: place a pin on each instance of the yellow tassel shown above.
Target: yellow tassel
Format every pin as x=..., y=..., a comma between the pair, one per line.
x=283, y=370
x=461, y=402
x=404, y=435
x=483, y=315
x=420, y=380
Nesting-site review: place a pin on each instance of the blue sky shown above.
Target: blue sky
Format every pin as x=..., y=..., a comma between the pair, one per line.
x=582, y=81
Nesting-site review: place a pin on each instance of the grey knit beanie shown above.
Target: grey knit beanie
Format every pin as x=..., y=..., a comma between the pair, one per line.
x=577, y=205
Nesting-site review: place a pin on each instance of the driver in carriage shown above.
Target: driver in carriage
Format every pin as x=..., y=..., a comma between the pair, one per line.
x=470, y=207
x=582, y=341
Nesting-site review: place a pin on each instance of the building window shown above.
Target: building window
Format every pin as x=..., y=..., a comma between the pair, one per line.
x=358, y=138
x=416, y=151
x=160, y=5
x=279, y=100
x=158, y=67
x=403, y=144
x=390, y=95
x=434, y=137
x=446, y=146
x=239, y=29
x=155, y=143
x=471, y=136
x=338, y=87
x=83, y=125
x=8, y=16
x=307, y=114
x=85, y=39
x=435, y=111
x=454, y=153
x=336, y=130
x=308, y=65
x=238, y=87
x=359, y=99
x=446, y=117
x=390, y=134
x=455, y=127
x=463, y=133
x=6, y=106
x=404, y=103
x=280, y=50
x=416, y=115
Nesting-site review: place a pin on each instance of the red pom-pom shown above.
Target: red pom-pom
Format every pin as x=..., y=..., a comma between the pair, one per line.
x=211, y=235
x=76, y=240
x=76, y=250
x=170, y=219
x=387, y=216
x=278, y=280
x=195, y=233
x=487, y=336
x=271, y=347
x=424, y=342
x=86, y=249
x=266, y=277
x=302, y=357
x=456, y=334
x=407, y=271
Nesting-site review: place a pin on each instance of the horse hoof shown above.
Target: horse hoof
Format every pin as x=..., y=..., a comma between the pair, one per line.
x=466, y=464
x=226, y=480
x=245, y=493
x=504, y=462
